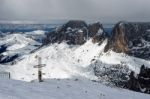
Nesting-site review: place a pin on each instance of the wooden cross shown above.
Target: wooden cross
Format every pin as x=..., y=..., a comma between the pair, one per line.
x=39, y=66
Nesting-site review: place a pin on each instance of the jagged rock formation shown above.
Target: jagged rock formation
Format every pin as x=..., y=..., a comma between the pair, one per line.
x=115, y=75
x=131, y=38
x=96, y=31
x=76, y=32
x=141, y=82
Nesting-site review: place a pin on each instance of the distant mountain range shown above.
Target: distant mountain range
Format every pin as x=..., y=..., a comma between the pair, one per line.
x=17, y=26
x=26, y=27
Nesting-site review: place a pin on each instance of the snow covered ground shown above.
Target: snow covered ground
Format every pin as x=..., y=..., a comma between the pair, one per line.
x=63, y=89
x=64, y=65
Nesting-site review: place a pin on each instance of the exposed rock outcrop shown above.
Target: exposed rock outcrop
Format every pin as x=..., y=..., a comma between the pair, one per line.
x=96, y=31
x=76, y=32
x=131, y=38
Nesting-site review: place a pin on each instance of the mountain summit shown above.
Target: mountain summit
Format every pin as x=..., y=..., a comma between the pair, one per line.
x=76, y=32
x=132, y=38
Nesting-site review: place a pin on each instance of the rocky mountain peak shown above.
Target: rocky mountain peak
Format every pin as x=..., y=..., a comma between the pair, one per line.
x=96, y=31
x=131, y=38
x=77, y=32
x=74, y=24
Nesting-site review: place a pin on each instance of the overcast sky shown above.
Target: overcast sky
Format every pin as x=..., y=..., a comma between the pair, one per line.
x=96, y=10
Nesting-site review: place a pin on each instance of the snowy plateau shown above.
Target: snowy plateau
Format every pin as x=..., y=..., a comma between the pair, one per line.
x=69, y=72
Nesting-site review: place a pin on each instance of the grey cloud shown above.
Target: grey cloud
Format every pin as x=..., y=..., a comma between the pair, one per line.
x=103, y=10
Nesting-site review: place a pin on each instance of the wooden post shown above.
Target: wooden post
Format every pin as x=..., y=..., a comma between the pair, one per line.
x=9, y=75
x=40, y=76
x=39, y=66
x=39, y=69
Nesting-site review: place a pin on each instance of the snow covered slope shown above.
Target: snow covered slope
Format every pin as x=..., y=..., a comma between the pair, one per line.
x=66, y=61
x=62, y=61
x=111, y=58
x=18, y=44
x=17, y=41
x=63, y=89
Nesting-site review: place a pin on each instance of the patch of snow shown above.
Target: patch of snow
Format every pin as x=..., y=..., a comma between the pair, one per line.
x=100, y=32
x=148, y=30
x=16, y=46
x=80, y=31
x=37, y=32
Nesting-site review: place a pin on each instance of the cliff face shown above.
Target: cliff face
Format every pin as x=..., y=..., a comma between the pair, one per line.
x=131, y=38
x=76, y=32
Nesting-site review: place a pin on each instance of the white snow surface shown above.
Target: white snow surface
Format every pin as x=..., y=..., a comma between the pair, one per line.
x=63, y=89
x=62, y=61
x=65, y=61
